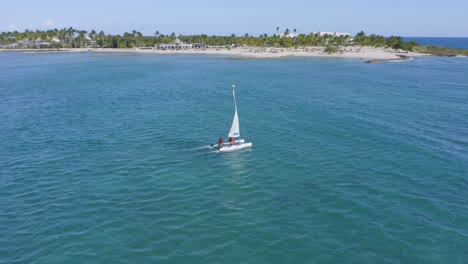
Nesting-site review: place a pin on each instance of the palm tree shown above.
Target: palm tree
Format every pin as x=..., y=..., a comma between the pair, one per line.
x=62, y=35
x=92, y=34
x=360, y=37
x=134, y=35
x=71, y=37
x=101, y=35
x=157, y=35
x=56, y=32
x=277, y=28
x=81, y=35
x=140, y=38
x=396, y=42
x=125, y=36
x=232, y=39
x=109, y=39
x=136, y=38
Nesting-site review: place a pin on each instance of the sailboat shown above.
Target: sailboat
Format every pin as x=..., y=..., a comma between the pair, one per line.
x=234, y=133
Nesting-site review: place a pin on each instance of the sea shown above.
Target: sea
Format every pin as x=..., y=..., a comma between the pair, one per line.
x=453, y=42
x=107, y=158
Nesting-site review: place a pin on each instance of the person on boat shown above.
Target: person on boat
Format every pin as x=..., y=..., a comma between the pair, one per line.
x=220, y=141
x=231, y=141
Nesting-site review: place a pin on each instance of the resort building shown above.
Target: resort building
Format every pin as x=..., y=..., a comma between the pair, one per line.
x=28, y=43
x=200, y=45
x=175, y=45
x=334, y=34
x=288, y=35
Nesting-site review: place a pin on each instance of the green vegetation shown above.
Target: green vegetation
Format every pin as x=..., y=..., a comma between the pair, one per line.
x=330, y=49
x=71, y=38
x=397, y=43
x=74, y=38
x=441, y=51
x=372, y=40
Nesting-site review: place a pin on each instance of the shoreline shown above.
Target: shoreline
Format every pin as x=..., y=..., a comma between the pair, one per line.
x=364, y=53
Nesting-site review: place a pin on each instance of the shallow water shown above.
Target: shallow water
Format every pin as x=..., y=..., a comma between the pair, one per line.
x=107, y=159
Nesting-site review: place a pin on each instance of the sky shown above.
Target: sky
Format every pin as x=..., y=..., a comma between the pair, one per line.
x=417, y=18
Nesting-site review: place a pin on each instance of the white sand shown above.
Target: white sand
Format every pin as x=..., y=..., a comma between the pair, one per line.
x=368, y=53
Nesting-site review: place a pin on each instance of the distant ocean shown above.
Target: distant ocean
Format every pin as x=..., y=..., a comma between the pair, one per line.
x=461, y=43
x=107, y=159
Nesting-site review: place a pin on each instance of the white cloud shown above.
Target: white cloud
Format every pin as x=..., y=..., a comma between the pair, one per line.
x=49, y=24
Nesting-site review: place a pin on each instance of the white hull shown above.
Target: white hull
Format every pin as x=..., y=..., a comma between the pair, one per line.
x=239, y=141
x=227, y=148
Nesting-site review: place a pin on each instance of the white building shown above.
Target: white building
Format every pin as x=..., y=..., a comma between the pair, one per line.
x=334, y=34
x=175, y=45
x=28, y=43
x=289, y=35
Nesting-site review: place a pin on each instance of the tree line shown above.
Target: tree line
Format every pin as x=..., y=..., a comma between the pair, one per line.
x=75, y=38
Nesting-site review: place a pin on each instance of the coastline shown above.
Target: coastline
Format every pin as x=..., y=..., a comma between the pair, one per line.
x=364, y=53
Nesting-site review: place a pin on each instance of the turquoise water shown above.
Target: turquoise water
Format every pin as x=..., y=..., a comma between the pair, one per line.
x=106, y=159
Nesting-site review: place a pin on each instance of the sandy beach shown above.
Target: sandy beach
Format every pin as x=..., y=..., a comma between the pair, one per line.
x=364, y=53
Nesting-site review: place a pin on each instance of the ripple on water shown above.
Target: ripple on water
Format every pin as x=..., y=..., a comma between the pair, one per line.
x=350, y=162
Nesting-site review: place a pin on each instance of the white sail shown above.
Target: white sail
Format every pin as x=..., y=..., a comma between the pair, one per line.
x=234, y=132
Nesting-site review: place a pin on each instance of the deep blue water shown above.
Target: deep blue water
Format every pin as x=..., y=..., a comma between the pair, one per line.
x=106, y=159
x=461, y=43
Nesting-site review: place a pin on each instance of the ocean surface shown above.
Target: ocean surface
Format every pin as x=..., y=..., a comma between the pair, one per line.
x=461, y=43
x=106, y=159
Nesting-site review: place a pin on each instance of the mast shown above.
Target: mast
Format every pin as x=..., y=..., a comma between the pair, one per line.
x=234, y=95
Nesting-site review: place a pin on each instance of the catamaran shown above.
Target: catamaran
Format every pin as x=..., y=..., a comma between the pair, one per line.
x=234, y=133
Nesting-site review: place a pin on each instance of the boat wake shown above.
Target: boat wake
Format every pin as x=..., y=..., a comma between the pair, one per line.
x=205, y=147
